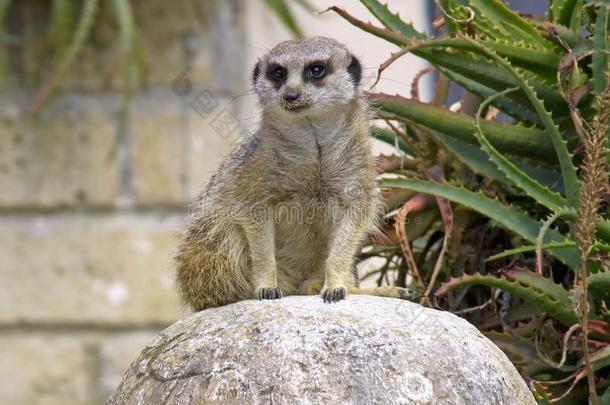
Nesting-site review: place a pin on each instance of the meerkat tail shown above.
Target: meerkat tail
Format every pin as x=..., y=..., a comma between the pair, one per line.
x=388, y=291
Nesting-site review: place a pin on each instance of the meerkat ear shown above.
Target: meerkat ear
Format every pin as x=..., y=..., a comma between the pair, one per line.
x=355, y=70
x=256, y=72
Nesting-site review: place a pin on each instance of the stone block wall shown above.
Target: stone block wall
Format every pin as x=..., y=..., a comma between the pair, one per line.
x=91, y=209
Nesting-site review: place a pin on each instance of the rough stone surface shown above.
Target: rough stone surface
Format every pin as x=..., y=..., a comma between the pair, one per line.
x=71, y=268
x=365, y=350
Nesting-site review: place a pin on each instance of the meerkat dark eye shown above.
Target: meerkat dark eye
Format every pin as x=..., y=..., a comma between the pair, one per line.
x=278, y=73
x=317, y=70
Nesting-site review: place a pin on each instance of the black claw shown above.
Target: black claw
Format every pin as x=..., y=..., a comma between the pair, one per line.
x=333, y=294
x=269, y=294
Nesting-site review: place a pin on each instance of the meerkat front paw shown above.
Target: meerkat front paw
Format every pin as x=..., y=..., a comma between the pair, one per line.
x=334, y=294
x=269, y=293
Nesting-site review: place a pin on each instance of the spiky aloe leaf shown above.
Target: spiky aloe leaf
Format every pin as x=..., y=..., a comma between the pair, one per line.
x=521, y=351
x=388, y=136
x=570, y=178
x=529, y=248
x=488, y=74
x=541, y=61
x=561, y=11
x=451, y=25
x=600, y=46
x=477, y=160
x=505, y=19
x=508, y=217
x=504, y=104
x=476, y=70
x=531, y=287
x=568, y=171
x=390, y=20
x=470, y=155
x=537, y=281
x=530, y=186
x=572, y=39
x=512, y=139
x=518, y=53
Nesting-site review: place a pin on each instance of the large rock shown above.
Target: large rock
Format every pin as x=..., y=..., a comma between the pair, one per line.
x=365, y=350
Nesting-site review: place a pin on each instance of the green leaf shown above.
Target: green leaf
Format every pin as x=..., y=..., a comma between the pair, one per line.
x=390, y=20
x=488, y=74
x=600, y=46
x=542, y=283
x=522, y=352
x=599, y=281
x=531, y=287
x=63, y=21
x=475, y=69
x=283, y=12
x=510, y=22
x=601, y=358
x=391, y=36
x=388, y=136
x=306, y=5
x=561, y=11
x=477, y=161
x=528, y=249
x=4, y=4
x=505, y=104
x=541, y=61
x=506, y=216
x=470, y=155
x=568, y=171
x=531, y=187
x=122, y=9
x=516, y=140
x=83, y=29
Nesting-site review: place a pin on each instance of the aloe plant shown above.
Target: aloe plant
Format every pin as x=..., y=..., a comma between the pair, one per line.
x=519, y=174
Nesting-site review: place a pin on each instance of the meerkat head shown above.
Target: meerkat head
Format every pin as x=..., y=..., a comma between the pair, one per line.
x=315, y=75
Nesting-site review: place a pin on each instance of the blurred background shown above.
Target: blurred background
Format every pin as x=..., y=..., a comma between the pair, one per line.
x=105, y=139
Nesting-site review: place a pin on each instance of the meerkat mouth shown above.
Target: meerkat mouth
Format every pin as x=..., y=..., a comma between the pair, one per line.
x=296, y=108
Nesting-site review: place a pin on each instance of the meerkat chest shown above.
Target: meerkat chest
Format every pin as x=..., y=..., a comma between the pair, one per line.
x=325, y=176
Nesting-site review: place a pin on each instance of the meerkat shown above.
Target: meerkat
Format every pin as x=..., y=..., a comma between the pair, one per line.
x=289, y=208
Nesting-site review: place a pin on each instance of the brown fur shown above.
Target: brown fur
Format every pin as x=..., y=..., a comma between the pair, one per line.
x=290, y=206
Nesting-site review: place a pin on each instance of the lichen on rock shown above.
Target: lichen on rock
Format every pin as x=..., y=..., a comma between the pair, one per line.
x=298, y=350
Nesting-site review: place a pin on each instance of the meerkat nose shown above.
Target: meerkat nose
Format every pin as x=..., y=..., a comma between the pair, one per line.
x=291, y=94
